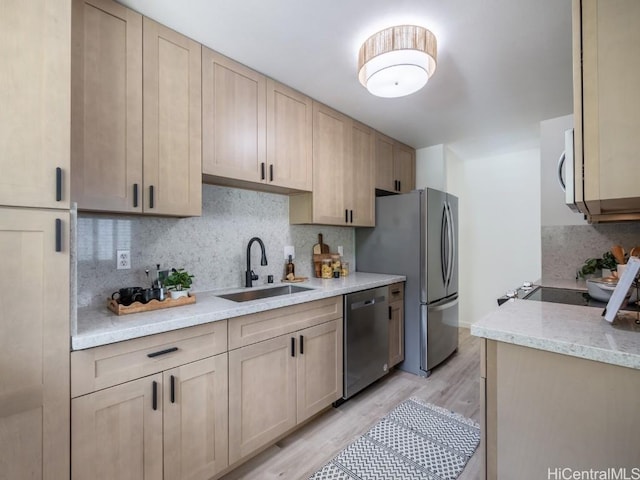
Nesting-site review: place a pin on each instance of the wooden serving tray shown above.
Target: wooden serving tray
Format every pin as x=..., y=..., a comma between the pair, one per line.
x=295, y=280
x=137, y=307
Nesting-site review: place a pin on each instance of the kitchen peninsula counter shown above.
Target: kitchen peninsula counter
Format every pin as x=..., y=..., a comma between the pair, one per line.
x=99, y=326
x=566, y=329
x=559, y=388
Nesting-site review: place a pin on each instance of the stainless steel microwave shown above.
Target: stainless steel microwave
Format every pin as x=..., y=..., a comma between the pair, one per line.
x=566, y=165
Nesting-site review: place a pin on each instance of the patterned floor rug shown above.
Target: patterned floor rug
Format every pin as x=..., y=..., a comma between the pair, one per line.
x=416, y=440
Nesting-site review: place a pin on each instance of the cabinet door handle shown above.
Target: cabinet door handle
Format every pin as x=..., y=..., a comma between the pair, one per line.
x=151, y=196
x=399, y=185
x=346, y=215
x=271, y=172
x=154, y=395
x=301, y=344
x=293, y=346
x=58, y=235
x=389, y=312
x=135, y=195
x=162, y=352
x=395, y=292
x=58, y=184
x=262, y=172
x=172, y=393
x=351, y=216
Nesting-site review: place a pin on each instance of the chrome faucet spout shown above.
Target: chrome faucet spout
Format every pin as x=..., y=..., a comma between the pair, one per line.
x=249, y=275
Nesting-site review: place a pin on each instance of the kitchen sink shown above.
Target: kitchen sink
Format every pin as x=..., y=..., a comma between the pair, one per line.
x=264, y=293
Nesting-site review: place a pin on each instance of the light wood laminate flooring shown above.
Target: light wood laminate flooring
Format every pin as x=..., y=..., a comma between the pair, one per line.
x=454, y=385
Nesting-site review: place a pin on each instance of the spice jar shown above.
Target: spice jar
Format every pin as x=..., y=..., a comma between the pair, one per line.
x=327, y=269
x=336, y=265
x=345, y=269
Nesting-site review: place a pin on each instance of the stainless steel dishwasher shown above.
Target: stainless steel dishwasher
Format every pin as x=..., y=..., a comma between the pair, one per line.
x=366, y=338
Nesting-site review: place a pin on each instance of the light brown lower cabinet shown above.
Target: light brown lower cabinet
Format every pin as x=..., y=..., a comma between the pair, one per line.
x=278, y=383
x=544, y=411
x=179, y=406
x=34, y=344
x=179, y=415
x=396, y=324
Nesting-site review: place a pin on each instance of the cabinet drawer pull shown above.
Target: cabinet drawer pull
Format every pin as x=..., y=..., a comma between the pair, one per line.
x=151, y=196
x=162, y=352
x=262, y=174
x=135, y=195
x=389, y=312
x=58, y=235
x=172, y=393
x=58, y=184
x=395, y=292
x=301, y=344
x=293, y=346
x=154, y=395
x=271, y=172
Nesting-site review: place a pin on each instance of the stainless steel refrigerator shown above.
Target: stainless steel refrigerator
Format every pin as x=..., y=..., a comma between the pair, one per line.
x=416, y=235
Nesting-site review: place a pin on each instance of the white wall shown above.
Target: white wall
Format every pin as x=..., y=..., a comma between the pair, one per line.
x=553, y=208
x=499, y=226
x=431, y=169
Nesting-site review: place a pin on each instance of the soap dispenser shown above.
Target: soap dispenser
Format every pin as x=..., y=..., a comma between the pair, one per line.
x=290, y=269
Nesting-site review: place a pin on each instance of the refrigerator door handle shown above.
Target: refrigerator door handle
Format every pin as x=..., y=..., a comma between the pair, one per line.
x=451, y=248
x=448, y=304
x=443, y=246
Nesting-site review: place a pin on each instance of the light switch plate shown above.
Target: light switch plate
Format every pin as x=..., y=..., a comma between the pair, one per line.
x=340, y=250
x=289, y=250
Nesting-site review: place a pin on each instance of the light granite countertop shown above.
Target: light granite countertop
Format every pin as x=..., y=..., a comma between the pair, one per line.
x=567, y=329
x=99, y=326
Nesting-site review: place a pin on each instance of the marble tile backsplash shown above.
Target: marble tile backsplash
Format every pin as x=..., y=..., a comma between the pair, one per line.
x=565, y=248
x=212, y=247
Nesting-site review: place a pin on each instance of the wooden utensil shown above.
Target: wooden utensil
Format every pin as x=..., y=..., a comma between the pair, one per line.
x=618, y=254
x=635, y=252
x=320, y=247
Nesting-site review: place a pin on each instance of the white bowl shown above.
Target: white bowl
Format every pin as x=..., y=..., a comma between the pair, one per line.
x=601, y=289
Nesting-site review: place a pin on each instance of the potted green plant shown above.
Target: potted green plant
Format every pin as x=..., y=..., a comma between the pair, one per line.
x=591, y=266
x=178, y=282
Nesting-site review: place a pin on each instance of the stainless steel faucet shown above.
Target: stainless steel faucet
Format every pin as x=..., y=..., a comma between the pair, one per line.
x=249, y=275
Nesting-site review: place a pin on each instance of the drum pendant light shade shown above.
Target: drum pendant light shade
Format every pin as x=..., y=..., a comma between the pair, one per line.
x=397, y=61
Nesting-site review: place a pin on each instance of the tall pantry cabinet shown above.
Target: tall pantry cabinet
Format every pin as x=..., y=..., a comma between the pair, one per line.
x=34, y=238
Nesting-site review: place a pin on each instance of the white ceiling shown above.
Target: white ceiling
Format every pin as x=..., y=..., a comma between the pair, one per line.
x=503, y=65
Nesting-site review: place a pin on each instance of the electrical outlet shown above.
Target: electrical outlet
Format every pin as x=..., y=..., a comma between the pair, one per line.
x=289, y=250
x=123, y=259
x=340, y=250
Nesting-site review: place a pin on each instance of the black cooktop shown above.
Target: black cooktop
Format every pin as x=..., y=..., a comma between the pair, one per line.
x=570, y=297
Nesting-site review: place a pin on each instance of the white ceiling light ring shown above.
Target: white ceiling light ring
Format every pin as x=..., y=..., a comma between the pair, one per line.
x=410, y=50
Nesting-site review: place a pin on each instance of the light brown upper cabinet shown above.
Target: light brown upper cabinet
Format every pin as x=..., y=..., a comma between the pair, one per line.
x=34, y=103
x=395, y=165
x=359, y=183
x=606, y=41
x=404, y=167
x=106, y=103
x=172, y=86
x=289, y=137
x=233, y=119
x=257, y=132
x=343, y=156
x=136, y=113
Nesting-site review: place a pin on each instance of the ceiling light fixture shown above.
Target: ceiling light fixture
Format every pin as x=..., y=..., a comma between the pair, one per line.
x=397, y=61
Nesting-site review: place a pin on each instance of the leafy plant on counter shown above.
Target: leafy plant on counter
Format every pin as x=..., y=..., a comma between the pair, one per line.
x=179, y=280
x=591, y=265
